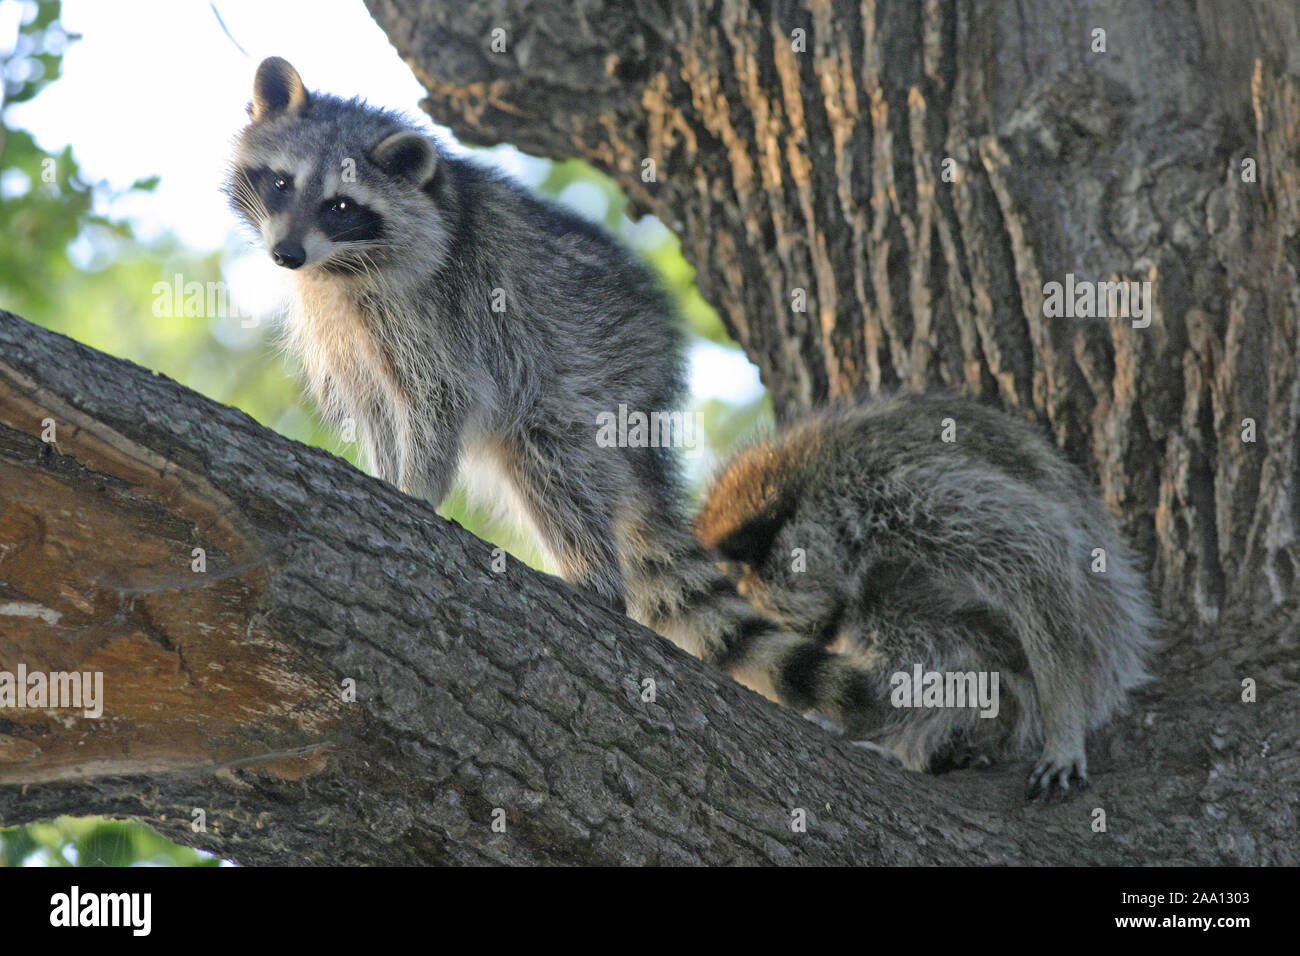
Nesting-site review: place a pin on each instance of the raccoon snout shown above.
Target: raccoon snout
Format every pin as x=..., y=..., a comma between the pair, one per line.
x=289, y=254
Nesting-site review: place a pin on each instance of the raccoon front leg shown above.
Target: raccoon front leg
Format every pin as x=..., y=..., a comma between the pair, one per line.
x=429, y=454
x=382, y=449
x=365, y=416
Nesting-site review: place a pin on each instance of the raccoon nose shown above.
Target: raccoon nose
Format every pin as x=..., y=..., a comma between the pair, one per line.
x=289, y=254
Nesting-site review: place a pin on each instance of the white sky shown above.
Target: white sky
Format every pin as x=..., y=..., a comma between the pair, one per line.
x=156, y=87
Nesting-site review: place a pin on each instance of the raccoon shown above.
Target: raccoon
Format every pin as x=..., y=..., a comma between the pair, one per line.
x=458, y=320
x=864, y=530
x=399, y=252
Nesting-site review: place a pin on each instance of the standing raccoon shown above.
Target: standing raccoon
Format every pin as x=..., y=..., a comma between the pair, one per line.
x=458, y=320
x=981, y=554
x=399, y=253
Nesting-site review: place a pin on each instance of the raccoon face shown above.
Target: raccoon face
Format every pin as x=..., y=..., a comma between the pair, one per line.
x=331, y=184
x=299, y=223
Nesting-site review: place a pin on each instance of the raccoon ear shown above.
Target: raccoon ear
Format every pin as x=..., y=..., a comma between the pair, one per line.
x=407, y=154
x=277, y=88
x=747, y=538
x=747, y=506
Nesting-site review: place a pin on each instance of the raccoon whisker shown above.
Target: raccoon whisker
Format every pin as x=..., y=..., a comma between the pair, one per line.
x=244, y=194
x=372, y=272
x=376, y=272
x=350, y=252
x=357, y=233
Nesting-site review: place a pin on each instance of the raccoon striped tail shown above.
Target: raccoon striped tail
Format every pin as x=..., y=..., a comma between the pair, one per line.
x=677, y=589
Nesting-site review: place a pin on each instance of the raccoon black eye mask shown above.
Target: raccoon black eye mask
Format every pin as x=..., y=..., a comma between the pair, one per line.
x=346, y=220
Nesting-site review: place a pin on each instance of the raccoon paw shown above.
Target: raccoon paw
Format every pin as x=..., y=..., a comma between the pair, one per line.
x=960, y=757
x=883, y=752
x=1053, y=775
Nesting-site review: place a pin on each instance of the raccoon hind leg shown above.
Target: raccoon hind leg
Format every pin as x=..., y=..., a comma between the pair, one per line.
x=570, y=507
x=1062, y=768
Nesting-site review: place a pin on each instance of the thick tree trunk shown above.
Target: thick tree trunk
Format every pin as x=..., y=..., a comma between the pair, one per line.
x=479, y=695
x=799, y=150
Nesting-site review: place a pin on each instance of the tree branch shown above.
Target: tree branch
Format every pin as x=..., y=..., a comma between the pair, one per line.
x=475, y=690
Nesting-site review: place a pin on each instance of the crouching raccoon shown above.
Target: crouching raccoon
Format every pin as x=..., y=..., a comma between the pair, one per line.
x=932, y=534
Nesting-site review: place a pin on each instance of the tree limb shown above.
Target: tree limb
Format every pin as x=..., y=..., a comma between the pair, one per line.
x=476, y=690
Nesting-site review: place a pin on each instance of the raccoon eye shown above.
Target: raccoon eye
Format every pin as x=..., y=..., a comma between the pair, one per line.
x=281, y=184
x=346, y=220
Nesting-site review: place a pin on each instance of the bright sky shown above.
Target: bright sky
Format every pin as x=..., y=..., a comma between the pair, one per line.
x=156, y=87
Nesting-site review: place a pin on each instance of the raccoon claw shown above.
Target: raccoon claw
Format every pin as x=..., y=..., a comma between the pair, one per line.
x=1051, y=778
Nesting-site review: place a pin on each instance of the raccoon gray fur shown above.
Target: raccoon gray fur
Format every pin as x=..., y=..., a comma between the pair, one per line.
x=969, y=556
x=396, y=269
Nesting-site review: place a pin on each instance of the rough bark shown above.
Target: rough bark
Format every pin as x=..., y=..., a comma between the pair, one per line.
x=780, y=171
x=477, y=690
x=822, y=171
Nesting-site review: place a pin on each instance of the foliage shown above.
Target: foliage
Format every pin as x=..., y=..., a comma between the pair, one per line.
x=93, y=841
